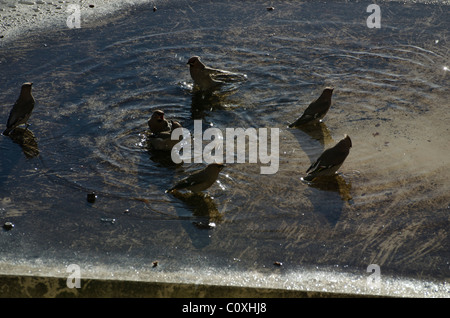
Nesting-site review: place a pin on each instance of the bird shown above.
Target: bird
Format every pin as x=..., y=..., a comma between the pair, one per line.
x=316, y=110
x=200, y=180
x=330, y=160
x=157, y=123
x=205, y=77
x=161, y=131
x=21, y=111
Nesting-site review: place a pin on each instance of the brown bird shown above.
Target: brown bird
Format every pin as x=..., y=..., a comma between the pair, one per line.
x=206, y=78
x=161, y=131
x=316, y=110
x=330, y=160
x=21, y=111
x=157, y=123
x=200, y=180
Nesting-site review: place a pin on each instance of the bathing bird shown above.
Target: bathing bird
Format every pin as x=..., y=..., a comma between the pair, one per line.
x=157, y=123
x=21, y=111
x=316, y=110
x=161, y=131
x=200, y=180
x=330, y=160
x=204, y=76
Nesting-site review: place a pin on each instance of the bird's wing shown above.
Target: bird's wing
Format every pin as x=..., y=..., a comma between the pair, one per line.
x=214, y=71
x=328, y=159
x=316, y=109
x=15, y=115
x=217, y=74
x=193, y=179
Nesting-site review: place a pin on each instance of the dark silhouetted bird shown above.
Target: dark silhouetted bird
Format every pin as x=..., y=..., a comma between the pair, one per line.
x=330, y=160
x=316, y=110
x=21, y=111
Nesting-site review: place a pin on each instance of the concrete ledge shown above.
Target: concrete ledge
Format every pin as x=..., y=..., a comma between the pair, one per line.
x=52, y=287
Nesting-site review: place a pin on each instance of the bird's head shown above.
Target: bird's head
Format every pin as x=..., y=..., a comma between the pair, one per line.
x=195, y=62
x=346, y=142
x=327, y=92
x=158, y=115
x=26, y=87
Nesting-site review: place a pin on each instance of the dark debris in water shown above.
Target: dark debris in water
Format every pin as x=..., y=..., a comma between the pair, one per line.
x=8, y=226
x=91, y=197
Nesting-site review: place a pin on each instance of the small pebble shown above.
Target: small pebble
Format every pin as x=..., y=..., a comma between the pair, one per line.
x=8, y=226
x=278, y=263
x=108, y=220
x=91, y=197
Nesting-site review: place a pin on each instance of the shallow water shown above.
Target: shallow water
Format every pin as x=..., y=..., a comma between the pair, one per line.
x=96, y=87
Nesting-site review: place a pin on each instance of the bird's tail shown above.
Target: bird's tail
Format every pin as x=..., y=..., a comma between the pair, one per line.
x=7, y=131
x=309, y=177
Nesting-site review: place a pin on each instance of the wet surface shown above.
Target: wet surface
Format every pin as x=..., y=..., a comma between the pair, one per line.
x=96, y=87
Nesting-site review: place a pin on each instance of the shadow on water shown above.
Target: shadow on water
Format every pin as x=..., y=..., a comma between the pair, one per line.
x=313, y=139
x=329, y=196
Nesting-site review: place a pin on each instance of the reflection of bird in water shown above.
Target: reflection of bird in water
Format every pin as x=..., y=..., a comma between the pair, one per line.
x=21, y=111
x=316, y=110
x=200, y=180
x=330, y=160
x=207, y=78
x=26, y=139
x=318, y=132
x=334, y=183
x=201, y=104
x=161, y=131
x=329, y=196
x=203, y=208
